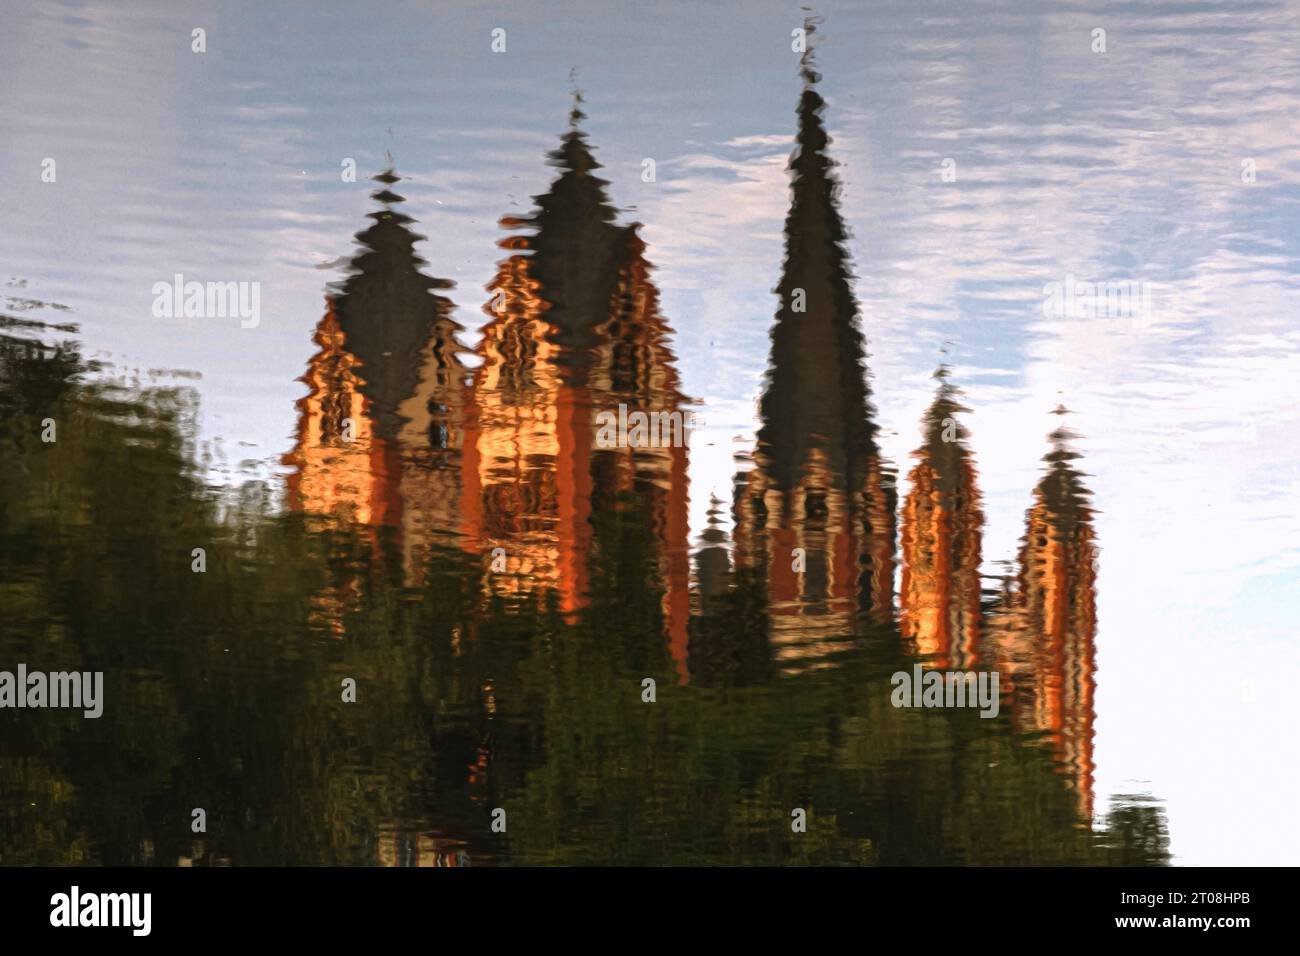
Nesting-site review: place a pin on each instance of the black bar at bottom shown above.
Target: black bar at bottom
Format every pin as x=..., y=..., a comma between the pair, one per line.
x=487, y=905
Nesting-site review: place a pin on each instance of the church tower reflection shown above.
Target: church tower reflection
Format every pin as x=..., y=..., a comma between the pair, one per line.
x=574, y=333
x=1043, y=636
x=939, y=598
x=815, y=515
x=381, y=427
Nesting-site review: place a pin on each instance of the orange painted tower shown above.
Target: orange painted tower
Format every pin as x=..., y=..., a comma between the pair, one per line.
x=939, y=598
x=574, y=331
x=381, y=428
x=1044, y=635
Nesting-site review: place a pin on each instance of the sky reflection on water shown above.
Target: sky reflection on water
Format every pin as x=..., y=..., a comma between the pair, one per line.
x=1122, y=165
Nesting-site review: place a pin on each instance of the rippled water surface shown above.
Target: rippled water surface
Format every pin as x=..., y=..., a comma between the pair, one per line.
x=644, y=346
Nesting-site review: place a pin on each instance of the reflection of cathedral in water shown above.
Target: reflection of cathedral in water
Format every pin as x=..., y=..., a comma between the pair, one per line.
x=402, y=439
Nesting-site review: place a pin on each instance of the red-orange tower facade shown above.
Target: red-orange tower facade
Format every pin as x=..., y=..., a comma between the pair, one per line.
x=1044, y=635
x=942, y=523
x=574, y=335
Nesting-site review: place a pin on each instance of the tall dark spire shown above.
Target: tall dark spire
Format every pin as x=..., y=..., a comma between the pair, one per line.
x=818, y=518
x=816, y=396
